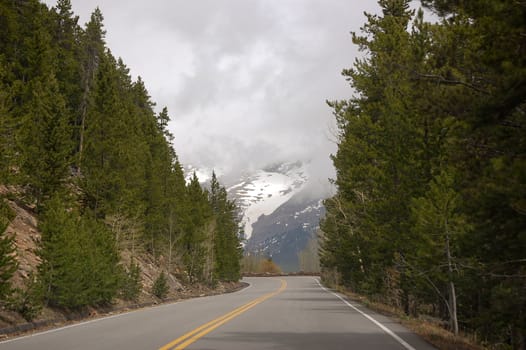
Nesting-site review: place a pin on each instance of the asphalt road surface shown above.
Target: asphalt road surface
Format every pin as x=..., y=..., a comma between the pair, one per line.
x=272, y=313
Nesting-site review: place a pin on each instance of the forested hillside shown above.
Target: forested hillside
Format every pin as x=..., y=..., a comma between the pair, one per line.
x=430, y=209
x=82, y=147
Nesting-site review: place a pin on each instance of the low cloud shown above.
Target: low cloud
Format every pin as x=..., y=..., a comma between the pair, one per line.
x=245, y=82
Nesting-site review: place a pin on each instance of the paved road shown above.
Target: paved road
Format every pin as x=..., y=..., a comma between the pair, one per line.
x=273, y=313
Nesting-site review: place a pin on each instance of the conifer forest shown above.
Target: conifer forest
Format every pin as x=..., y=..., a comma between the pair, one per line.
x=430, y=209
x=82, y=146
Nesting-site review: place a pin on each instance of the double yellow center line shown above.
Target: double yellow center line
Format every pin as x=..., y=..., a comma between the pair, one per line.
x=183, y=341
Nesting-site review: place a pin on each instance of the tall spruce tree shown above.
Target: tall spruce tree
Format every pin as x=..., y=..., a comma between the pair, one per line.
x=193, y=235
x=65, y=35
x=80, y=263
x=439, y=225
x=44, y=134
x=227, y=246
x=92, y=49
x=379, y=165
x=46, y=139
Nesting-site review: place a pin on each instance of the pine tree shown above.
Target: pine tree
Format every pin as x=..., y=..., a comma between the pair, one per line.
x=439, y=225
x=35, y=105
x=45, y=136
x=165, y=185
x=92, y=43
x=44, y=132
x=193, y=233
x=160, y=286
x=227, y=246
x=177, y=200
x=65, y=34
x=379, y=165
x=131, y=284
x=80, y=263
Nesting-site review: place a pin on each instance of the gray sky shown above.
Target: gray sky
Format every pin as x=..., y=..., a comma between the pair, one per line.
x=245, y=81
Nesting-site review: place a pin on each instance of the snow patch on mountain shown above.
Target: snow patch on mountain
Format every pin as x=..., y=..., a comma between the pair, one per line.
x=264, y=191
x=316, y=207
x=261, y=192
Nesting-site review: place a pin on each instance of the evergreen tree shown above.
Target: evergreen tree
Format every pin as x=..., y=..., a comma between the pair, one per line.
x=65, y=34
x=80, y=263
x=379, y=160
x=194, y=234
x=178, y=201
x=92, y=49
x=439, y=225
x=165, y=185
x=131, y=284
x=160, y=286
x=227, y=246
x=45, y=137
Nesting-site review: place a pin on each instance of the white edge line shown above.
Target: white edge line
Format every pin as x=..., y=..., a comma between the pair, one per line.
x=248, y=287
x=384, y=328
x=82, y=323
x=62, y=328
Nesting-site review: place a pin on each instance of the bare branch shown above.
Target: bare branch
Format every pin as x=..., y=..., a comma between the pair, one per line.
x=428, y=280
x=442, y=80
x=339, y=206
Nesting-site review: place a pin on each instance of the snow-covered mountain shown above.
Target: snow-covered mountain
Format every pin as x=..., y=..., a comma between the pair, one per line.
x=262, y=192
x=278, y=212
x=286, y=232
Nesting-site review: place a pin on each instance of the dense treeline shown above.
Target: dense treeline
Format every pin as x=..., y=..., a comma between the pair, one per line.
x=430, y=210
x=81, y=139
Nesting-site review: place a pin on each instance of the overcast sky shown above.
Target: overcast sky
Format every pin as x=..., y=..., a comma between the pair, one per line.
x=245, y=81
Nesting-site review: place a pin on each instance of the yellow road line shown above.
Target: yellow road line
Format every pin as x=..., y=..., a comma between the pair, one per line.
x=192, y=336
x=200, y=328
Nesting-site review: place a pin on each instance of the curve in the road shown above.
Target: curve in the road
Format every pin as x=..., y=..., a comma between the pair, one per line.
x=186, y=339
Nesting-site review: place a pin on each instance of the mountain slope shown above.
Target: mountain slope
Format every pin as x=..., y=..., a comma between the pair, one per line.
x=279, y=213
x=262, y=192
x=286, y=232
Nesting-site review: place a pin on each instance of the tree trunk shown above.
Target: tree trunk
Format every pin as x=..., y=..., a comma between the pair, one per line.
x=452, y=294
x=87, y=80
x=405, y=297
x=453, y=307
x=170, y=246
x=81, y=138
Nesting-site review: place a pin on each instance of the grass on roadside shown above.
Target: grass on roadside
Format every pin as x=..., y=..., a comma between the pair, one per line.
x=433, y=333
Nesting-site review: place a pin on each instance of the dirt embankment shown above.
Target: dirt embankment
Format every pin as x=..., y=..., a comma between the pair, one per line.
x=24, y=228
